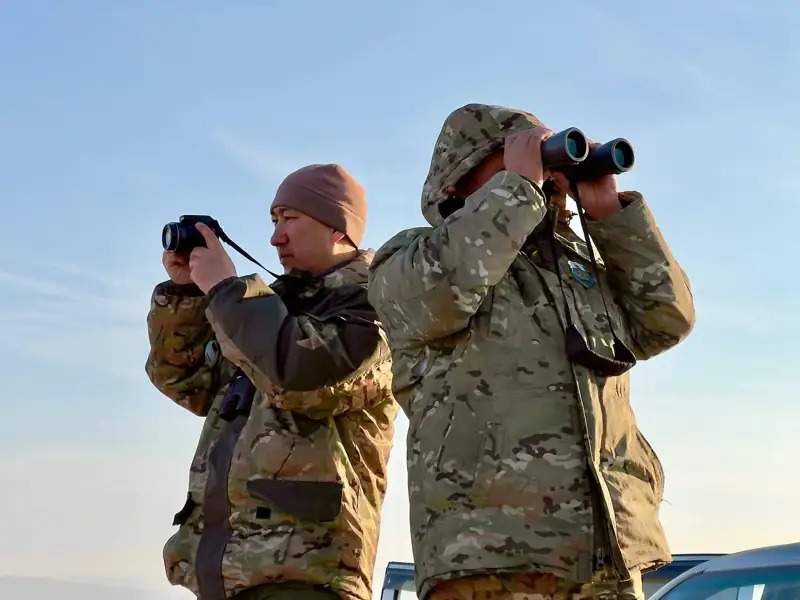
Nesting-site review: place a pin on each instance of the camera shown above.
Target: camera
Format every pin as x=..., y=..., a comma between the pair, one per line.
x=182, y=236
x=568, y=151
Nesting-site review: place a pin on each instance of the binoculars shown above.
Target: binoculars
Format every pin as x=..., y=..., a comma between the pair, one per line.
x=568, y=151
x=182, y=236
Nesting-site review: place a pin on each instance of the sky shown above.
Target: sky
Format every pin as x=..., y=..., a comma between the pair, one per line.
x=115, y=118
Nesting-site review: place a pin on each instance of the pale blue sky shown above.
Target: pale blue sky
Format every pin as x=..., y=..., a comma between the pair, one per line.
x=117, y=117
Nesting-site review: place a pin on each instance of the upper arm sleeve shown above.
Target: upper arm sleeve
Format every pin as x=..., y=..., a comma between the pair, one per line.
x=645, y=277
x=431, y=286
x=179, y=333
x=297, y=353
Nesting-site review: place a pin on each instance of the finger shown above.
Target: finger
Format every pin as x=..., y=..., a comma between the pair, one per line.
x=175, y=259
x=539, y=134
x=175, y=264
x=197, y=256
x=212, y=241
x=561, y=180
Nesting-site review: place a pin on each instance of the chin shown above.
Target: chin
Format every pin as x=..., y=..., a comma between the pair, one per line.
x=290, y=264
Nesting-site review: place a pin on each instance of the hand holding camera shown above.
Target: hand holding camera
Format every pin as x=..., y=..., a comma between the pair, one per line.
x=193, y=252
x=177, y=267
x=211, y=264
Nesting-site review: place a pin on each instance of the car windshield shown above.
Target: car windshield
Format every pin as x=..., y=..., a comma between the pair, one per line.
x=772, y=583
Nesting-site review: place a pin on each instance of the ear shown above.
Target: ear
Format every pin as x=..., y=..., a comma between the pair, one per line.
x=338, y=237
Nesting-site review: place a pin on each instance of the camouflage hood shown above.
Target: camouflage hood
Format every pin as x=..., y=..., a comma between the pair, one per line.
x=469, y=135
x=520, y=458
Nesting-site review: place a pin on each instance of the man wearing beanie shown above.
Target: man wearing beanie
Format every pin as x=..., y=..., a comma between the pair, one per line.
x=293, y=380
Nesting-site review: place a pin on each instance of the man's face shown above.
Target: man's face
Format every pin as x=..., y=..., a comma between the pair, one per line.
x=480, y=174
x=303, y=243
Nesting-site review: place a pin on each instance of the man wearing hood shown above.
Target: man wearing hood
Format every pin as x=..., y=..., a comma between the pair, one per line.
x=293, y=380
x=528, y=476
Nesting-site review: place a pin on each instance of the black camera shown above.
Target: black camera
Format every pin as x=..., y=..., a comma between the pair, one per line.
x=568, y=151
x=182, y=237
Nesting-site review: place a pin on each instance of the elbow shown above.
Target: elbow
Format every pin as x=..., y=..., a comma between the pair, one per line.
x=683, y=316
x=194, y=398
x=688, y=321
x=432, y=318
x=672, y=328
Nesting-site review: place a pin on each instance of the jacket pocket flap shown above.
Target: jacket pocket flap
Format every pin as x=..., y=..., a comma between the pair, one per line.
x=309, y=500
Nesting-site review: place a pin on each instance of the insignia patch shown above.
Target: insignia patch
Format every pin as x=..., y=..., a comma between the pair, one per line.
x=582, y=274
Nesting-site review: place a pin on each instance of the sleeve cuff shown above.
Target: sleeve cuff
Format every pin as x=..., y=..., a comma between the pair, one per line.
x=231, y=291
x=513, y=178
x=170, y=288
x=633, y=216
x=248, y=286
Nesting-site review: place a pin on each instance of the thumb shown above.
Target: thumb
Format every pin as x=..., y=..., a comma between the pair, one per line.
x=212, y=241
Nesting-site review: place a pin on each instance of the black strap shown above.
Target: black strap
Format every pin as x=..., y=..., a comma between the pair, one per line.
x=217, y=529
x=184, y=513
x=239, y=398
x=582, y=216
x=577, y=347
x=225, y=238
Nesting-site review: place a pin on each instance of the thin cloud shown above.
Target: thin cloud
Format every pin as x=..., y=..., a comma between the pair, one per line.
x=95, y=295
x=27, y=284
x=68, y=324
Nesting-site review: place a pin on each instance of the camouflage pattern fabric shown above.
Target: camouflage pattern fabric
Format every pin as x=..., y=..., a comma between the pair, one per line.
x=331, y=442
x=537, y=586
x=509, y=444
x=286, y=591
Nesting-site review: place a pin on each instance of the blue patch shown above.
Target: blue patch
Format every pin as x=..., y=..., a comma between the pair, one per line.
x=582, y=274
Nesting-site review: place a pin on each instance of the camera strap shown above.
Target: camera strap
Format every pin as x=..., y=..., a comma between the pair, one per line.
x=225, y=238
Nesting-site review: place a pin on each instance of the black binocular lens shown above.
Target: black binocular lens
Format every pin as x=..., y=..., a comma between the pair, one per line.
x=611, y=158
x=564, y=148
x=623, y=154
x=576, y=145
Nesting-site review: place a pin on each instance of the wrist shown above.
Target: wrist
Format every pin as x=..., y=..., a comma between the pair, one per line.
x=219, y=285
x=603, y=210
x=535, y=179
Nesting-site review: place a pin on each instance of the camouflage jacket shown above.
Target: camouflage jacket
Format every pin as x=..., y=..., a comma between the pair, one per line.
x=518, y=459
x=289, y=488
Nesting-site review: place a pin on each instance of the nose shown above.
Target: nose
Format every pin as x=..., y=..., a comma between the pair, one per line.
x=278, y=236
